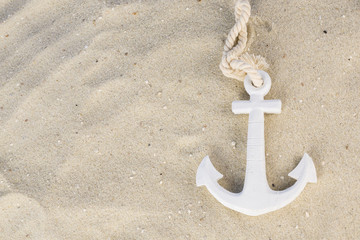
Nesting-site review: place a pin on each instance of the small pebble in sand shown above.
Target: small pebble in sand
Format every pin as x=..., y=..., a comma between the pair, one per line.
x=300, y=101
x=140, y=229
x=233, y=143
x=307, y=214
x=161, y=182
x=297, y=227
x=323, y=163
x=282, y=177
x=164, y=107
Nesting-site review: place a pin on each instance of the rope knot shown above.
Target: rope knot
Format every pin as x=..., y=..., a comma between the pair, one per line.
x=235, y=63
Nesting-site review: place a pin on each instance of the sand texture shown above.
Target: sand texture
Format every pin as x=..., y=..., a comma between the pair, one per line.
x=107, y=107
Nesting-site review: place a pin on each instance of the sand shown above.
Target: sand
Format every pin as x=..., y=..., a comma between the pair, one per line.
x=108, y=107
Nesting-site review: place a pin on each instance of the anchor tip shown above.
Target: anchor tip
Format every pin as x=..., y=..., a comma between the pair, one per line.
x=305, y=167
x=206, y=171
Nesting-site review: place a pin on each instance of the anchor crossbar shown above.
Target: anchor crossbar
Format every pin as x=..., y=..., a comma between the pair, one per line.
x=267, y=106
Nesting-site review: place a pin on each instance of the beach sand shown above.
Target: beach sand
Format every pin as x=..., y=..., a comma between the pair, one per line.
x=108, y=107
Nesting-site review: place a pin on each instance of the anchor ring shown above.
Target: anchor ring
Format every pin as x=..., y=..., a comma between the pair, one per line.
x=263, y=89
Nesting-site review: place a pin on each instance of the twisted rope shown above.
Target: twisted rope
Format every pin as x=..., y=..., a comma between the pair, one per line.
x=235, y=63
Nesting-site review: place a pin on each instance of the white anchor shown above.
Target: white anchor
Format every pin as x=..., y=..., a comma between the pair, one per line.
x=256, y=198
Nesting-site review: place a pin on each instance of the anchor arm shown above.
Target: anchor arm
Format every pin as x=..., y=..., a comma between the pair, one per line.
x=255, y=203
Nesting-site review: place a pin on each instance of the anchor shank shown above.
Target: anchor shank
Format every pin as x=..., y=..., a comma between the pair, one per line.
x=255, y=178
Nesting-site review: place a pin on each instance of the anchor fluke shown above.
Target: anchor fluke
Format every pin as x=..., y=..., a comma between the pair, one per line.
x=305, y=168
x=206, y=171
